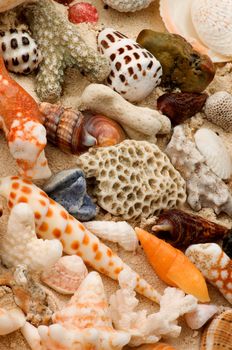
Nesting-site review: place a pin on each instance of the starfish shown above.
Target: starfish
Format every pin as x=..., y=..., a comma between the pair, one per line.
x=62, y=47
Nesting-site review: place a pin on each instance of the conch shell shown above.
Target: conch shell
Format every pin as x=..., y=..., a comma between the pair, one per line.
x=74, y=132
x=84, y=323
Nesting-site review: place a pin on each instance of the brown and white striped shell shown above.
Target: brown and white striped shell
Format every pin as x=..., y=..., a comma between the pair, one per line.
x=66, y=275
x=218, y=335
x=135, y=72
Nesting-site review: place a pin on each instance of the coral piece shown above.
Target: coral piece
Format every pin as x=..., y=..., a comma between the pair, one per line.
x=74, y=132
x=128, y=5
x=138, y=122
x=118, y=232
x=218, y=110
x=21, y=246
x=204, y=188
x=214, y=264
x=84, y=323
x=53, y=221
x=145, y=328
x=20, y=51
x=135, y=72
x=61, y=47
x=82, y=12
x=183, y=67
x=20, y=119
x=66, y=275
x=168, y=263
x=217, y=335
x=178, y=19
x=198, y=318
x=6, y=5
x=227, y=245
x=181, y=105
x=11, y=317
x=215, y=153
x=68, y=188
x=181, y=229
x=125, y=170
x=212, y=20
x=158, y=346
x=29, y=296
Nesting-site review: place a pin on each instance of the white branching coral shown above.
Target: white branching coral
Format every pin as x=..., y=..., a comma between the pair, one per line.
x=145, y=329
x=20, y=244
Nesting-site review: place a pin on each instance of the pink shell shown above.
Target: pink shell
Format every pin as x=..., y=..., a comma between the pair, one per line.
x=66, y=275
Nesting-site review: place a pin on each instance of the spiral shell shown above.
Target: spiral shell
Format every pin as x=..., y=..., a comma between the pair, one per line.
x=217, y=335
x=182, y=229
x=73, y=132
x=66, y=275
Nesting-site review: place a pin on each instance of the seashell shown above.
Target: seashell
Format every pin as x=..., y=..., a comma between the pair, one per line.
x=6, y=5
x=128, y=5
x=20, y=244
x=181, y=106
x=19, y=51
x=68, y=188
x=158, y=346
x=198, y=318
x=227, y=245
x=168, y=263
x=178, y=18
x=215, y=153
x=182, y=66
x=218, y=110
x=53, y=221
x=181, y=229
x=66, y=275
x=118, y=232
x=135, y=72
x=214, y=264
x=84, y=323
x=212, y=20
x=73, y=133
x=218, y=335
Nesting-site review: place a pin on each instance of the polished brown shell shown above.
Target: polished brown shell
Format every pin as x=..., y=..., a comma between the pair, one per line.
x=182, y=229
x=181, y=106
x=218, y=335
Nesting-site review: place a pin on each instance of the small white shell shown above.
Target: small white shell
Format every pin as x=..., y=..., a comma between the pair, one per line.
x=135, y=72
x=176, y=16
x=117, y=232
x=215, y=153
x=212, y=20
x=66, y=275
x=203, y=313
x=11, y=320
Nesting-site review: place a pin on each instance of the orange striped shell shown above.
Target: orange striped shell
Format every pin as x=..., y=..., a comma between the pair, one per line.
x=158, y=346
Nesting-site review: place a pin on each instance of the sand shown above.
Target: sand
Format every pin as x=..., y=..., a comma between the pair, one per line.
x=131, y=25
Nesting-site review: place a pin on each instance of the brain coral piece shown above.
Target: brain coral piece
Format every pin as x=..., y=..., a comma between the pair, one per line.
x=204, y=188
x=128, y=5
x=218, y=110
x=134, y=179
x=62, y=47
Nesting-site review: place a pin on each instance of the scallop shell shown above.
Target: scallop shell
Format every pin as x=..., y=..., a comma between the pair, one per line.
x=216, y=155
x=177, y=18
x=66, y=275
x=212, y=20
x=135, y=72
x=218, y=335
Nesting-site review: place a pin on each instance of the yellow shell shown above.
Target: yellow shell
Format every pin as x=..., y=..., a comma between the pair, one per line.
x=218, y=335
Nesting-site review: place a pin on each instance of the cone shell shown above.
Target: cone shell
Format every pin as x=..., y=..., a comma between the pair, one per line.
x=216, y=155
x=218, y=335
x=66, y=275
x=135, y=72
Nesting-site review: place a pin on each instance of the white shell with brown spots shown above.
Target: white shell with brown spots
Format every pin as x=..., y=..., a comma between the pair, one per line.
x=135, y=72
x=214, y=264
